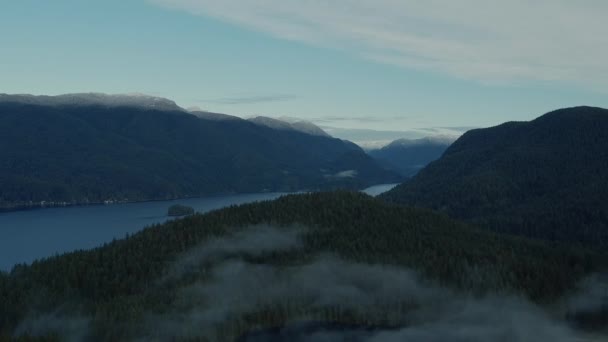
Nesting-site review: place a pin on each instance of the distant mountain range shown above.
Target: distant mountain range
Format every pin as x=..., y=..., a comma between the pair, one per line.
x=89, y=148
x=373, y=139
x=547, y=178
x=408, y=156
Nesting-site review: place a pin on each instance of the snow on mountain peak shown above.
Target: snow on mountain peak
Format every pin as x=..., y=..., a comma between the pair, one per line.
x=83, y=99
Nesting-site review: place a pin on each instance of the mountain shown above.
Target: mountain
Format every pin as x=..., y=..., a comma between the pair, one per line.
x=213, y=116
x=374, y=139
x=80, y=149
x=96, y=99
x=408, y=156
x=290, y=125
x=546, y=178
x=337, y=258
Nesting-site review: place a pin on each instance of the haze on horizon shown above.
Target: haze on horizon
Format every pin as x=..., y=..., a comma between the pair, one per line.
x=384, y=65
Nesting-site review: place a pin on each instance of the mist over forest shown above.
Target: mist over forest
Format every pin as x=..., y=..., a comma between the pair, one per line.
x=225, y=279
x=307, y=171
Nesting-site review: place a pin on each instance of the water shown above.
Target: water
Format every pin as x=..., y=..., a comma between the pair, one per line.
x=378, y=189
x=29, y=235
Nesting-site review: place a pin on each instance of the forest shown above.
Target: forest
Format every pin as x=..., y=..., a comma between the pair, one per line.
x=304, y=171
x=115, y=291
x=544, y=179
x=84, y=153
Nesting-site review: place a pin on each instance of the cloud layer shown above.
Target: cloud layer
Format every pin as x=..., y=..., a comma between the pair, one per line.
x=487, y=41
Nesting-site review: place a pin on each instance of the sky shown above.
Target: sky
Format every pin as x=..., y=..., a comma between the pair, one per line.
x=392, y=65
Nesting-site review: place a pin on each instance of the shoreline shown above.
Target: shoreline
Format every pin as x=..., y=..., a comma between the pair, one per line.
x=55, y=205
x=108, y=203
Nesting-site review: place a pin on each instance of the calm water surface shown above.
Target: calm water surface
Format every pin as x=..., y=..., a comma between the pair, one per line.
x=378, y=189
x=29, y=235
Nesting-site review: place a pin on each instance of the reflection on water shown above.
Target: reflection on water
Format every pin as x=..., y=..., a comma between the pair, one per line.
x=378, y=189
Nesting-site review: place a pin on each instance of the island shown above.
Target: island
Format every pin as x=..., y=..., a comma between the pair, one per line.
x=180, y=210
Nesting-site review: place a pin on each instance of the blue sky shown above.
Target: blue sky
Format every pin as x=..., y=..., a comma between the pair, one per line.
x=384, y=64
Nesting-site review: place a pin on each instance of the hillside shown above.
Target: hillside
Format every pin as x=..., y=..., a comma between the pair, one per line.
x=545, y=178
x=341, y=258
x=83, y=149
x=97, y=99
x=290, y=125
x=408, y=156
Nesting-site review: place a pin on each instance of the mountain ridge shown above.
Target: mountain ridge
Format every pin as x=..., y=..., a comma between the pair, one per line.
x=543, y=178
x=91, y=154
x=102, y=99
x=294, y=125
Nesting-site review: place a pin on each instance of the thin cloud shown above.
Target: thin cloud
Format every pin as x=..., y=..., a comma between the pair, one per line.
x=366, y=119
x=460, y=128
x=237, y=100
x=486, y=41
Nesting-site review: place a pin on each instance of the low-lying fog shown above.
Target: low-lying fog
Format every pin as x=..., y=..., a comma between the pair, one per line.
x=229, y=284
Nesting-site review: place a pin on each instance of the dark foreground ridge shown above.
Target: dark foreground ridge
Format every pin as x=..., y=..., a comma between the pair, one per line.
x=341, y=258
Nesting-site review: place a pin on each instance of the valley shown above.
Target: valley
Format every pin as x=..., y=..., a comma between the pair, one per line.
x=303, y=171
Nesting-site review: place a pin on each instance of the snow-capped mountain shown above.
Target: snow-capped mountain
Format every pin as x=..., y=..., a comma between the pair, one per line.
x=100, y=99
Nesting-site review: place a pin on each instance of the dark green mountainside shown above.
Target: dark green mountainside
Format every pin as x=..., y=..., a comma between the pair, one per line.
x=547, y=178
x=115, y=289
x=87, y=153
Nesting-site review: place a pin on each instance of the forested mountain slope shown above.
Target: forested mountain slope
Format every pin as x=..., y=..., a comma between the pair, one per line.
x=547, y=178
x=90, y=152
x=341, y=257
x=292, y=125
